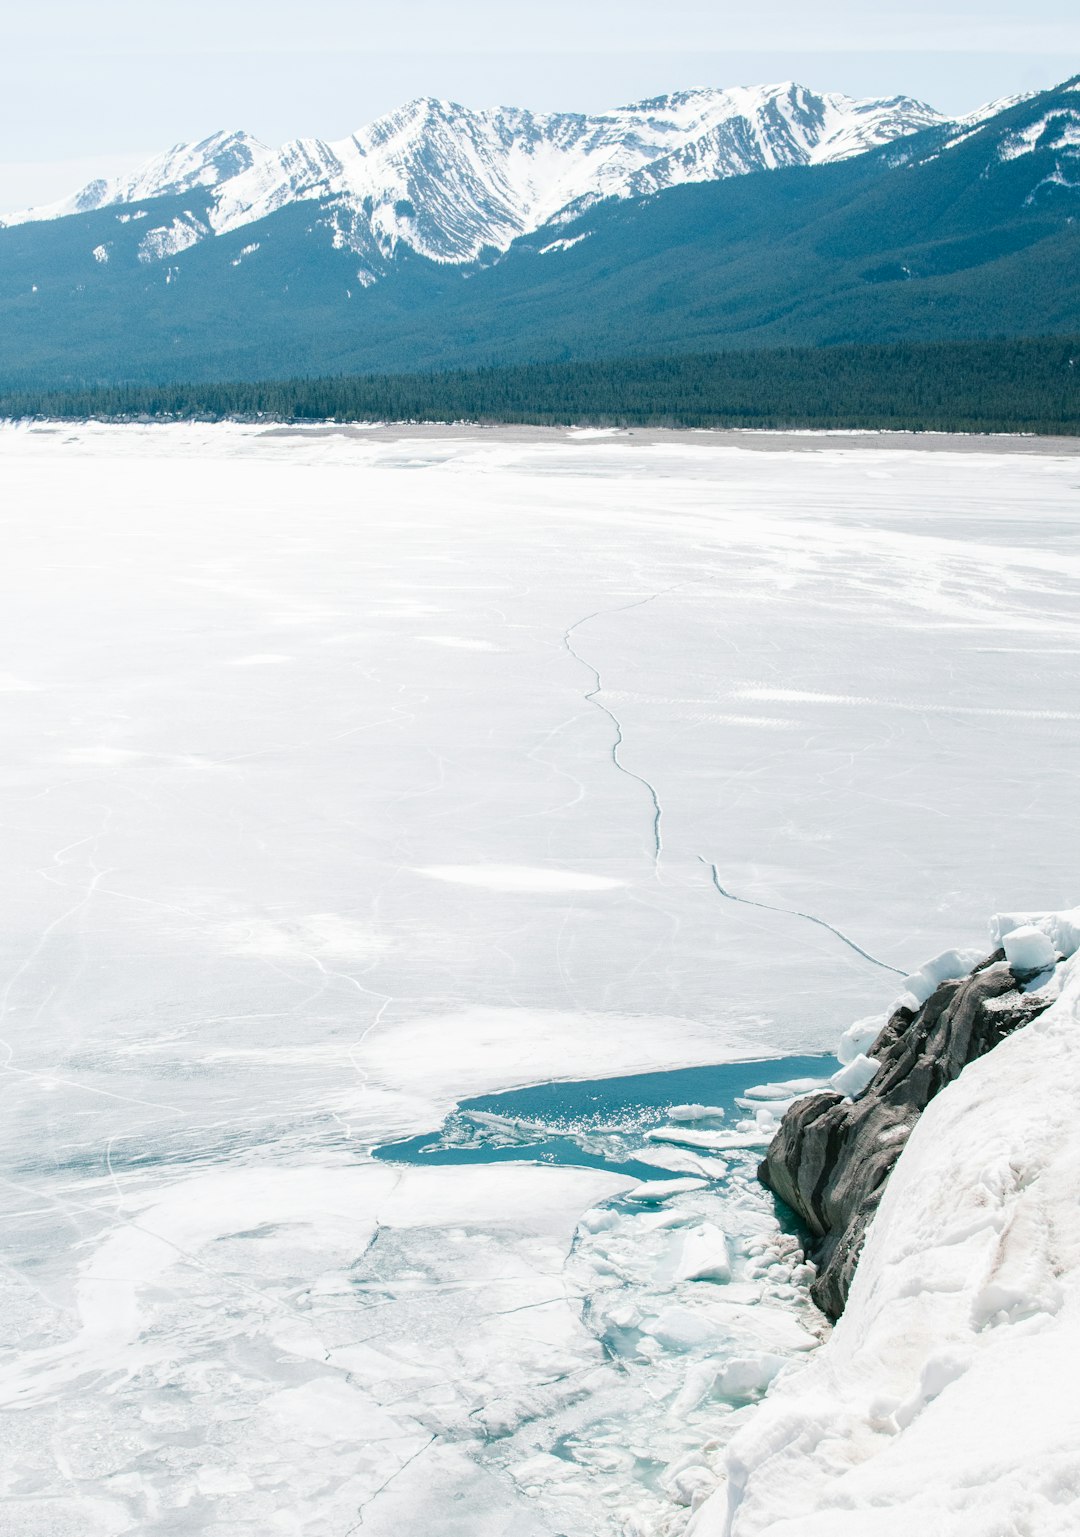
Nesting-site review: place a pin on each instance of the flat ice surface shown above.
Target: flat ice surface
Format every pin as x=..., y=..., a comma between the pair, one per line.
x=346, y=774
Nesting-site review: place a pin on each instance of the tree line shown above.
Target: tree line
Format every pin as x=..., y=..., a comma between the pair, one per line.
x=1006, y=385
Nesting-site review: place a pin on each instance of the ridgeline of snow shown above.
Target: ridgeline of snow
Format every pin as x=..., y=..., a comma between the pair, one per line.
x=209, y=163
x=451, y=183
x=942, y=1401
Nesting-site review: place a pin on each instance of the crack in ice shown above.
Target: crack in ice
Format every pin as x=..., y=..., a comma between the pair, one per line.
x=384, y=1486
x=592, y=698
x=794, y=912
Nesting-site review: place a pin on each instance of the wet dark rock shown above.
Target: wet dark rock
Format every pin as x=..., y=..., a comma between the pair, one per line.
x=832, y=1157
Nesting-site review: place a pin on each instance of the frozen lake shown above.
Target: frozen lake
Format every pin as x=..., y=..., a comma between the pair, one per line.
x=347, y=775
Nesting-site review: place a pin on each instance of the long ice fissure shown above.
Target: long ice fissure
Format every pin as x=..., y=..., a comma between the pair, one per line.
x=794, y=912
x=593, y=698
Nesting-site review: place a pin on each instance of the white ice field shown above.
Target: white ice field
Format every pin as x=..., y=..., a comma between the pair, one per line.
x=345, y=774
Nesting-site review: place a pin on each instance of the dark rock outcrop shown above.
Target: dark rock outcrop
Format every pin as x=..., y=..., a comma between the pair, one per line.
x=832, y=1157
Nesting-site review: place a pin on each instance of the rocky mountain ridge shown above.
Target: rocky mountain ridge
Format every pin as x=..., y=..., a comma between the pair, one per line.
x=955, y=231
x=450, y=183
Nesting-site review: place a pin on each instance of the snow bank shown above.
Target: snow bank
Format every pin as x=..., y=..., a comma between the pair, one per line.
x=942, y=1402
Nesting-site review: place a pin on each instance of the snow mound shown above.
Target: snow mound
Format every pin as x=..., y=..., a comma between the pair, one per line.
x=941, y=1403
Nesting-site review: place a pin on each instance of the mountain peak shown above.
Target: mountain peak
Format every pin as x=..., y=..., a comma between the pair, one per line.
x=451, y=182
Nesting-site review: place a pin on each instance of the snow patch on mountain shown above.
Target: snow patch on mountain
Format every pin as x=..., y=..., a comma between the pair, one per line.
x=171, y=239
x=563, y=245
x=451, y=183
x=1059, y=129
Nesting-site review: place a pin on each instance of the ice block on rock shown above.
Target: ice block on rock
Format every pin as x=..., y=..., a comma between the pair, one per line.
x=1029, y=950
x=950, y=965
x=857, y=1076
x=859, y=1037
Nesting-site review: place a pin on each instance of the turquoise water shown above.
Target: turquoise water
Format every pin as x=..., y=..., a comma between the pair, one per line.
x=596, y=1123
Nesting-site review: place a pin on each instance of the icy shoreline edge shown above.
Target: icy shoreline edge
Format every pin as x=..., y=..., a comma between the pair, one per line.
x=939, y=1399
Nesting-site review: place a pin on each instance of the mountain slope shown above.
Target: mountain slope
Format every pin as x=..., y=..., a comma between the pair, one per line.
x=450, y=183
x=961, y=230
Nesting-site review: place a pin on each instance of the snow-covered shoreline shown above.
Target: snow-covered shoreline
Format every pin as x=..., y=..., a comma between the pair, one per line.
x=171, y=434
x=941, y=1402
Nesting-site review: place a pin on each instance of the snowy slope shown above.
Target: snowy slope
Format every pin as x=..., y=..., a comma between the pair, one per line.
x=940, y=1404
x=450, y=183
x=218, y=159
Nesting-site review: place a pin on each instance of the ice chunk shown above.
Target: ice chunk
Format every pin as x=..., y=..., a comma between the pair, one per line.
x=747, y=1375
x=767, y=1118
x=695, y=1113
x=682, y=1160
x=690, y=1486
x=679, y=1329
x=652, y=1191
x=698, y=1383
x=1029, y=950
x=662, y=1221
x=773, y=1109
x=857, y=1076
x=859, y=1037
x=704, y=1256
x=1063, y=929
x=746, y=1134
x=599, y=1220
x=947, y=966
x=790, y=1090
x=706, y=1141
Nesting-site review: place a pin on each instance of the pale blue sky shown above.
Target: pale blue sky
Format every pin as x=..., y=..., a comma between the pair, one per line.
x=88, y=88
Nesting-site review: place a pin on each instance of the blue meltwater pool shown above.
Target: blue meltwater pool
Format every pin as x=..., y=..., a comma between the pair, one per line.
x=623, y=1125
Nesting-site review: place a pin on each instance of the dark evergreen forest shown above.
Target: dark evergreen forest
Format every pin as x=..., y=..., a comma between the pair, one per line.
x=1027, y=385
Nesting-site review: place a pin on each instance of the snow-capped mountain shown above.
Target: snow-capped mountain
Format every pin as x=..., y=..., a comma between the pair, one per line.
x=444, y=238
x=212, y=161
x=451, y=183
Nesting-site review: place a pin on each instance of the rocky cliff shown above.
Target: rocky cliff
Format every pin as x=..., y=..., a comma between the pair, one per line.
x=833, y=1155
x=942, y=1401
